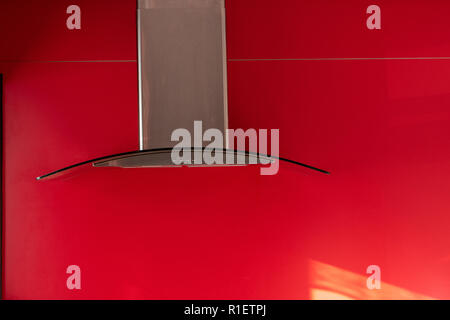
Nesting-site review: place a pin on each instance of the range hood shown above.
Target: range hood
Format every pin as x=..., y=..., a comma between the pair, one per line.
x=182, y=78
x=182, y=70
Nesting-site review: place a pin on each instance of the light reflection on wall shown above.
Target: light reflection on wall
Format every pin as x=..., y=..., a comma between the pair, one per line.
x=331, y=283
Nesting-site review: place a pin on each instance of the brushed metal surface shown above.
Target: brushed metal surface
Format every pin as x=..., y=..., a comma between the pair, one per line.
x=139, y=61
x=150, y=4
x=162, y=158
x=182, y=59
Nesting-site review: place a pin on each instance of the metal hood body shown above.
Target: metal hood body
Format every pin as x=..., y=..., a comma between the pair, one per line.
x=182, y=78
x=182, y=68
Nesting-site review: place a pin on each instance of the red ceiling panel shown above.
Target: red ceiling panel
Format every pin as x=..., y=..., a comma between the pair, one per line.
x=293, y=29
x=36, y=30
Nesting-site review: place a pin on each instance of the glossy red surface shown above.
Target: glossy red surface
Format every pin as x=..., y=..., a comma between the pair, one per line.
x=382, y=128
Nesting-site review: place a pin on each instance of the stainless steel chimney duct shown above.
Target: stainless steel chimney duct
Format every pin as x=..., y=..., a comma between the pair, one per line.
x=182, y=68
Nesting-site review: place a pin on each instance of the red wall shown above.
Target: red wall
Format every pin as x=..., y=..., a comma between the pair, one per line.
x=382, y=128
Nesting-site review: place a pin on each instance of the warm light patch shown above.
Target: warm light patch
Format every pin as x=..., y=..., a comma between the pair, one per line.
x=319, y=294
x=331, y=283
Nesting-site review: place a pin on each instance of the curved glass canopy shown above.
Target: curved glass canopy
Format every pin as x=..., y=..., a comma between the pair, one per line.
x=163, y=157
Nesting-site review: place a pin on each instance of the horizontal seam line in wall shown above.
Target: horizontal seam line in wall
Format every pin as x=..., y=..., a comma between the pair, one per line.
x=232, y=60
x=342, y=59
x=65, y=61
